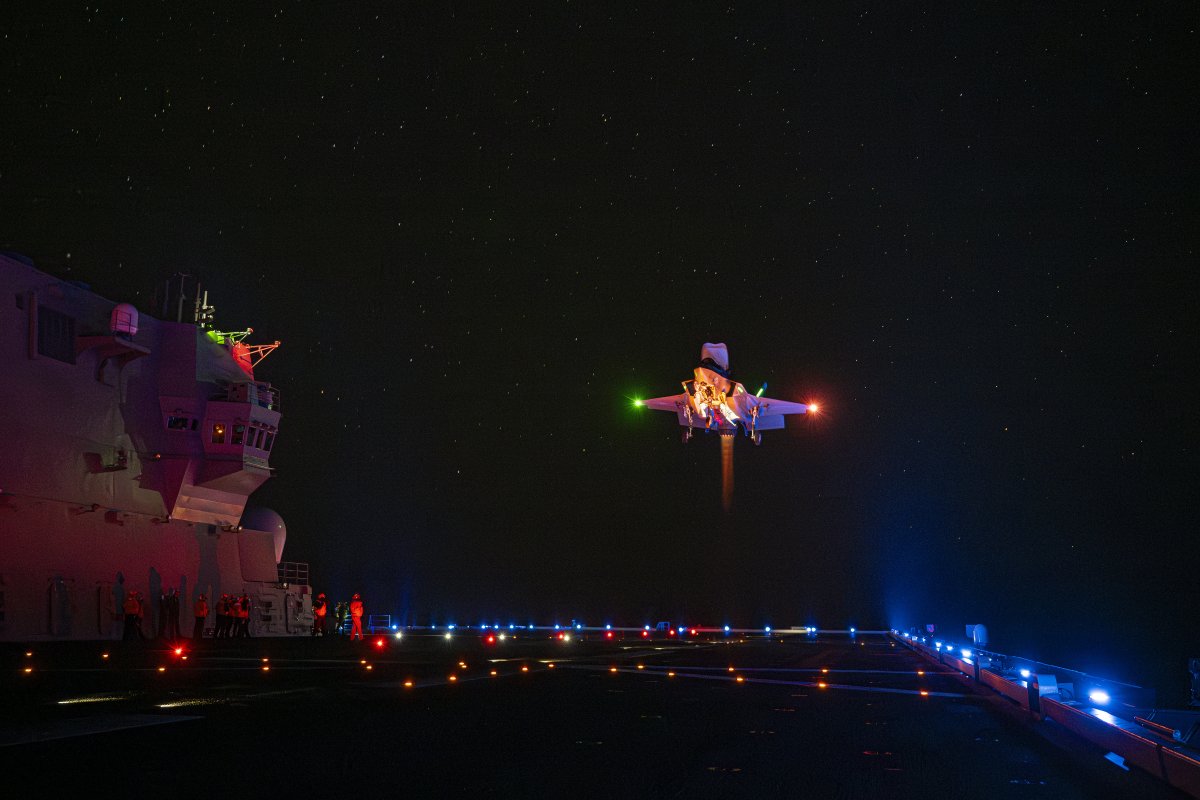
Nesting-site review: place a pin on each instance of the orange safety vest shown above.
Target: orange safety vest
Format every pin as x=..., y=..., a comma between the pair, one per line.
x=356, y=608
x=201, y=608
x=320, y=610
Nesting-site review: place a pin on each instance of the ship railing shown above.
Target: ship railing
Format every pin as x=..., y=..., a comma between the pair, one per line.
x=293, y=572
x=263, y=395
x=268, y=396
x=1072, y=685
x=379, y=623
x=1004, y=663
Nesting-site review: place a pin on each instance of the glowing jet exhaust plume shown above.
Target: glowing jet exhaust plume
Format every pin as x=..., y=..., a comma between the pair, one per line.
x=726, y=473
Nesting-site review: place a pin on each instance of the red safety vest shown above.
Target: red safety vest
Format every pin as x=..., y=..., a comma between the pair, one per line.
x=356, y=608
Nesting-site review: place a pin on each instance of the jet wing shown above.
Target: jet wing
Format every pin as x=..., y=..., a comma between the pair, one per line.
x=769, y=407
x=670, y=403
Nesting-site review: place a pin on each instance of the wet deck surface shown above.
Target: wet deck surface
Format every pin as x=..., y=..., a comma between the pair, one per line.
x=609, y=719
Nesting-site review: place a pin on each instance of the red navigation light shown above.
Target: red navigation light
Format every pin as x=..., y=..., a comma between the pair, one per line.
x=559, y=637
x=490, y=639
x=608, y=635
x=695, y=631
x=671, y=632
x=178, y=651
x=645, y=634
x=379, y=642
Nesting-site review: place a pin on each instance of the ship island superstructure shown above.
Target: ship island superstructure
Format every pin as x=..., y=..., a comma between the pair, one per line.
x=130, y=448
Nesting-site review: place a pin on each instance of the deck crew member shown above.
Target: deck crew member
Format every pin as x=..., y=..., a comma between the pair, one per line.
x=243, y=607
x=356, y=614
x=320, y=610
x=222, y=629
x=130, y=607
x=201, y=611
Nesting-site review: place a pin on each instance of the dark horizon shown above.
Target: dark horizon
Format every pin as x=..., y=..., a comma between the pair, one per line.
x=970, y=237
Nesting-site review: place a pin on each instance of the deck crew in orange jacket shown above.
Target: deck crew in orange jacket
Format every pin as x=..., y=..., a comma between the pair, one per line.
x=356, y=614
x=320, y=610
x=132, y=609
x=201, y=611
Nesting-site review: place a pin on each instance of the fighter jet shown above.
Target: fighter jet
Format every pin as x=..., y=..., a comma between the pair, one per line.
x=713, y=402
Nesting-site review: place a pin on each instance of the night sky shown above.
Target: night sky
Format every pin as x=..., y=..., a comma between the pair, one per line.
x=480, y=232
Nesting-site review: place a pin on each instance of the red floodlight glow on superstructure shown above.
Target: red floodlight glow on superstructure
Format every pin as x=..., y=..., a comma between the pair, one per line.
x=247, y=356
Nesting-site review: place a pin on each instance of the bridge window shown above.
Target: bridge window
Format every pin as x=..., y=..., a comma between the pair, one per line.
x=259, y=441
x=270, y=440
x=239, y=433
x=177, y=423
x=56, y=335
x=218, y=433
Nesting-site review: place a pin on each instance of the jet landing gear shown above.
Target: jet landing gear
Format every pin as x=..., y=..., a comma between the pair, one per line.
x=687, y=411
x=752, y=429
